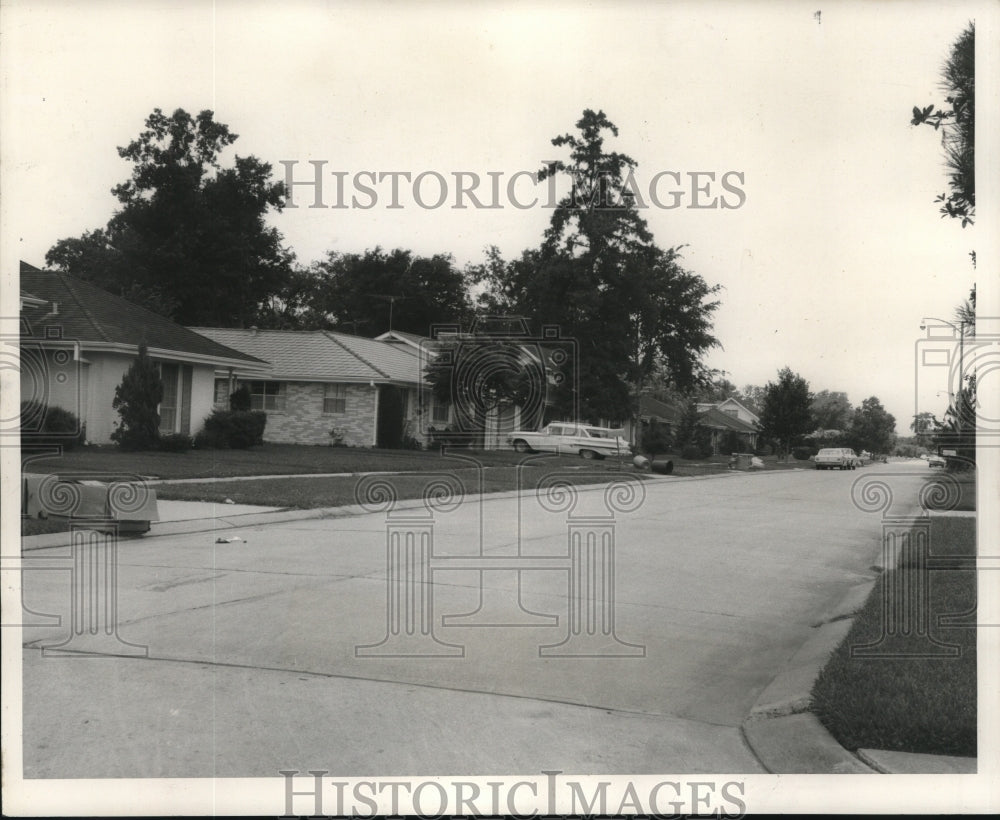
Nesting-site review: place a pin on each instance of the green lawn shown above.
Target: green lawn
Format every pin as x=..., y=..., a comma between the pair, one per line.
x=269, y=459
x=309, y=493
x=910, y=704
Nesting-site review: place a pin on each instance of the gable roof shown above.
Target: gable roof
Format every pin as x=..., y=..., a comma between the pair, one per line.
x=654, y=408
x=739, y=404
x=81, y=312
x=713, y=417
x=322, y=355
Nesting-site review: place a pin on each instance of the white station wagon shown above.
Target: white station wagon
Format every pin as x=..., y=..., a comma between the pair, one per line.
x=571, y=438
x=837, y=458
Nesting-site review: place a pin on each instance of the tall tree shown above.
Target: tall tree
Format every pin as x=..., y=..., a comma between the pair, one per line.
x=957, y=124
x=630, y=305
x=189, y=237
x=786, y=414
x=872, y=428
x=831, y=410
x=375, y=291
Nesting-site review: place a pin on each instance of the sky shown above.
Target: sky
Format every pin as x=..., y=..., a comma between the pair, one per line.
x=834, y=255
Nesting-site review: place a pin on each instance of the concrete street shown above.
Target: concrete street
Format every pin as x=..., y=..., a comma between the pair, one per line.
x=253, y=664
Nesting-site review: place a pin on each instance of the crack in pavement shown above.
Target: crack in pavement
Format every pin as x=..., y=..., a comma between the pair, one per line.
x=611, y=710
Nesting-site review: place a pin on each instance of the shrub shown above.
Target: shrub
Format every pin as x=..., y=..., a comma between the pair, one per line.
x=45, y=425
x=691, y=452
x=411, y=443
x=731, y=442
x=705, y=450
x=175, y=443
x=656, y=438
x=236, y=429
x=239, y=399
x=136, y=400
x=801, y=453
x=336, y=439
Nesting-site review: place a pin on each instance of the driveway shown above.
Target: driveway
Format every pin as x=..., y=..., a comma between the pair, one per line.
x=491, y=649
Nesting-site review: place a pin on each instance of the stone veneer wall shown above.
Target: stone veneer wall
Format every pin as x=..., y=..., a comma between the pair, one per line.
x=304, y=422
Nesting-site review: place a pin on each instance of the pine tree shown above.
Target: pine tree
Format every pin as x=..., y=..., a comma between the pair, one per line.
x=136, y=400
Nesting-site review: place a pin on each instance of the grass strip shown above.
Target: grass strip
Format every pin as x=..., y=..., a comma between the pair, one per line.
x=900, y=702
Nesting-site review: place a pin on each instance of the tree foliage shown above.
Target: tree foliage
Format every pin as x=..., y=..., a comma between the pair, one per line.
x=366, y=292
x=957, y=124
x=189, y=238
x=137, y=400
x=786, y=414
x=831, y=410
x=872, y=428
x=630, y=305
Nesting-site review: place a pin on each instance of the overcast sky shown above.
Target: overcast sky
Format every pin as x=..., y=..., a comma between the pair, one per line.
x=827, y=267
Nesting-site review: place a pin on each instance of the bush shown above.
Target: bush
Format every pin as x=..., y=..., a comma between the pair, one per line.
x=801, y=453
x=175, y=443
x=691, y=452
x=236, y=429
x=705, y=450
x=656, y=438
x=336, y=439
x=239, y=399
x=411, y=443
x=46, y=426
x=136, y=400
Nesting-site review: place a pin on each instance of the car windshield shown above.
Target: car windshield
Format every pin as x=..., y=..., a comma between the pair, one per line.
x=829, y=452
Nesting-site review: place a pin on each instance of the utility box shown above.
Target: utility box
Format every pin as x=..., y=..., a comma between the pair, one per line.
x=127, y=506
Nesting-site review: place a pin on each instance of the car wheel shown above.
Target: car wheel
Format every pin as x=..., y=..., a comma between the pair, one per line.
x=590, y=455
x=522, y=446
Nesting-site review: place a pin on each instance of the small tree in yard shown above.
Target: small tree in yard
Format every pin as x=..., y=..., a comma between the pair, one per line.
x=786, y=414
x=136, y=400
x=656, y=439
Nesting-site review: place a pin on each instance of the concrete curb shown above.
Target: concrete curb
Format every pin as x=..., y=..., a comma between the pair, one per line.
x=787, y=738
x=61, y=539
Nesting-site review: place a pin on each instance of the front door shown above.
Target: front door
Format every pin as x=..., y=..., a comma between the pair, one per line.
x=390, y=417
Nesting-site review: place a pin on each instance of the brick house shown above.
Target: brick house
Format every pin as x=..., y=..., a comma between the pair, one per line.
x=327, y=386
x=76, y=341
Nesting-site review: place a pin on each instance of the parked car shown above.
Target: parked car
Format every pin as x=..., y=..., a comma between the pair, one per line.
x=571, y=438
x=836, y=458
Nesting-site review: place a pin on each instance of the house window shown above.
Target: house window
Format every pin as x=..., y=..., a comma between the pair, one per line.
x=267, y=396
x=169, y=401
x=335, y=398
x=440, y=411
x=221, y=399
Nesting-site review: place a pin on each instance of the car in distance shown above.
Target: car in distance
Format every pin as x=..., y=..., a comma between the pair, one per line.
x=936, y=461
x=836, y=458
x=571, y=438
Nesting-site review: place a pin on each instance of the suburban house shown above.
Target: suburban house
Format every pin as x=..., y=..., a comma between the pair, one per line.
x=720, y=418
x=327, y=387
x=77, y=341
x=486, y=352
x=731, y=407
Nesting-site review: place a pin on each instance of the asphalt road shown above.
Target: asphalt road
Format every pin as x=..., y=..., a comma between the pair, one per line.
x=253, y=662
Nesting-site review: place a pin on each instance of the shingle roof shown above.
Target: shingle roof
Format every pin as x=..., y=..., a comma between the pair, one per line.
x=654, y=408
x=89, y=315
x=322, y=355
x=716, y=418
